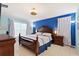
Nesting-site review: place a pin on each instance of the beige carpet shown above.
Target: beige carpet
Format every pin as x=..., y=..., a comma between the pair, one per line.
x=54, y=50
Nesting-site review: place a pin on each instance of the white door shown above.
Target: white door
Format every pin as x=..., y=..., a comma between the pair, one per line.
x=64, y=29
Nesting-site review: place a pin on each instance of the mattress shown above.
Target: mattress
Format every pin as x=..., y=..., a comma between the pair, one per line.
x=42, y=39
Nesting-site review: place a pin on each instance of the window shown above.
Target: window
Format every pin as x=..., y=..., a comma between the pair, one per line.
x=20, y=28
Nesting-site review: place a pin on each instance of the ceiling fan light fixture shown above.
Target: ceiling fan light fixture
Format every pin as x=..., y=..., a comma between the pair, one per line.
x=33, y=11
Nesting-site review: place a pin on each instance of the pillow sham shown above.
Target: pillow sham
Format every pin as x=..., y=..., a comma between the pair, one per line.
x=39, y=33
x=46, y=34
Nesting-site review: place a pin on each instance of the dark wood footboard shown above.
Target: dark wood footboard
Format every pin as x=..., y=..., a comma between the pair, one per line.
x=30, y=43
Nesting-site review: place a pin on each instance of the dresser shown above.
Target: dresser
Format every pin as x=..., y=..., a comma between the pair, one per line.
x=6, y=45
x=58, y=40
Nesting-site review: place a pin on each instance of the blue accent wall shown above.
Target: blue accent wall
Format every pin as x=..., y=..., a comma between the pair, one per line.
x=50, y=22
x=53, y=23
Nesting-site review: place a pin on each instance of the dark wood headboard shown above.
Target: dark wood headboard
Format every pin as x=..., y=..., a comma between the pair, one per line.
x=45, y=29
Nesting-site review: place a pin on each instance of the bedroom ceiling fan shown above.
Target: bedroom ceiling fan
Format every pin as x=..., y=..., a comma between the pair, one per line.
x=3, y=5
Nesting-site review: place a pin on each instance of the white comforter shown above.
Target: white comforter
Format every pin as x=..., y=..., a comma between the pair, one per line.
x=42, y=39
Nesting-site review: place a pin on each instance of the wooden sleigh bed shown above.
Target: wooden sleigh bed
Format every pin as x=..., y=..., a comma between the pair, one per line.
x=34, y=44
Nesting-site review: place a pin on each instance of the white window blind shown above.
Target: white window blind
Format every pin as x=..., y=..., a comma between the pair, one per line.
x=20, y=28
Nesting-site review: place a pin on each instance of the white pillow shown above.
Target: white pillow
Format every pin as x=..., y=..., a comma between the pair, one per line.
x=38, y=33
x=46, y=34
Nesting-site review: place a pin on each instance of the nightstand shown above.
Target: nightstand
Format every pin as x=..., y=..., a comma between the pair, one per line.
x=58, y=40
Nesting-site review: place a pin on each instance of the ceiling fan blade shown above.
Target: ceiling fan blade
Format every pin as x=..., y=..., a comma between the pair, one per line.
x=3, y=5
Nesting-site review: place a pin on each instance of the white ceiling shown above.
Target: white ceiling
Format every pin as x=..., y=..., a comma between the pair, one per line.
x=44, y=10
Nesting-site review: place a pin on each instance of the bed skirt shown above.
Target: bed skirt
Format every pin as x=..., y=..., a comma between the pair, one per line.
x=44, y=47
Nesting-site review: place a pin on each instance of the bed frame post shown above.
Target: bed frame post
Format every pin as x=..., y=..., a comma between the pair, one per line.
x=19, y=38
x=37, y=46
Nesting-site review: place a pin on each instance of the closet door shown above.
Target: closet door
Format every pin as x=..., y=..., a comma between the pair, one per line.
x=64, y=29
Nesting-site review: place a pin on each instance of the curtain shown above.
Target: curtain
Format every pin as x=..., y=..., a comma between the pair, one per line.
x=11, y=27
x=64, y=29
